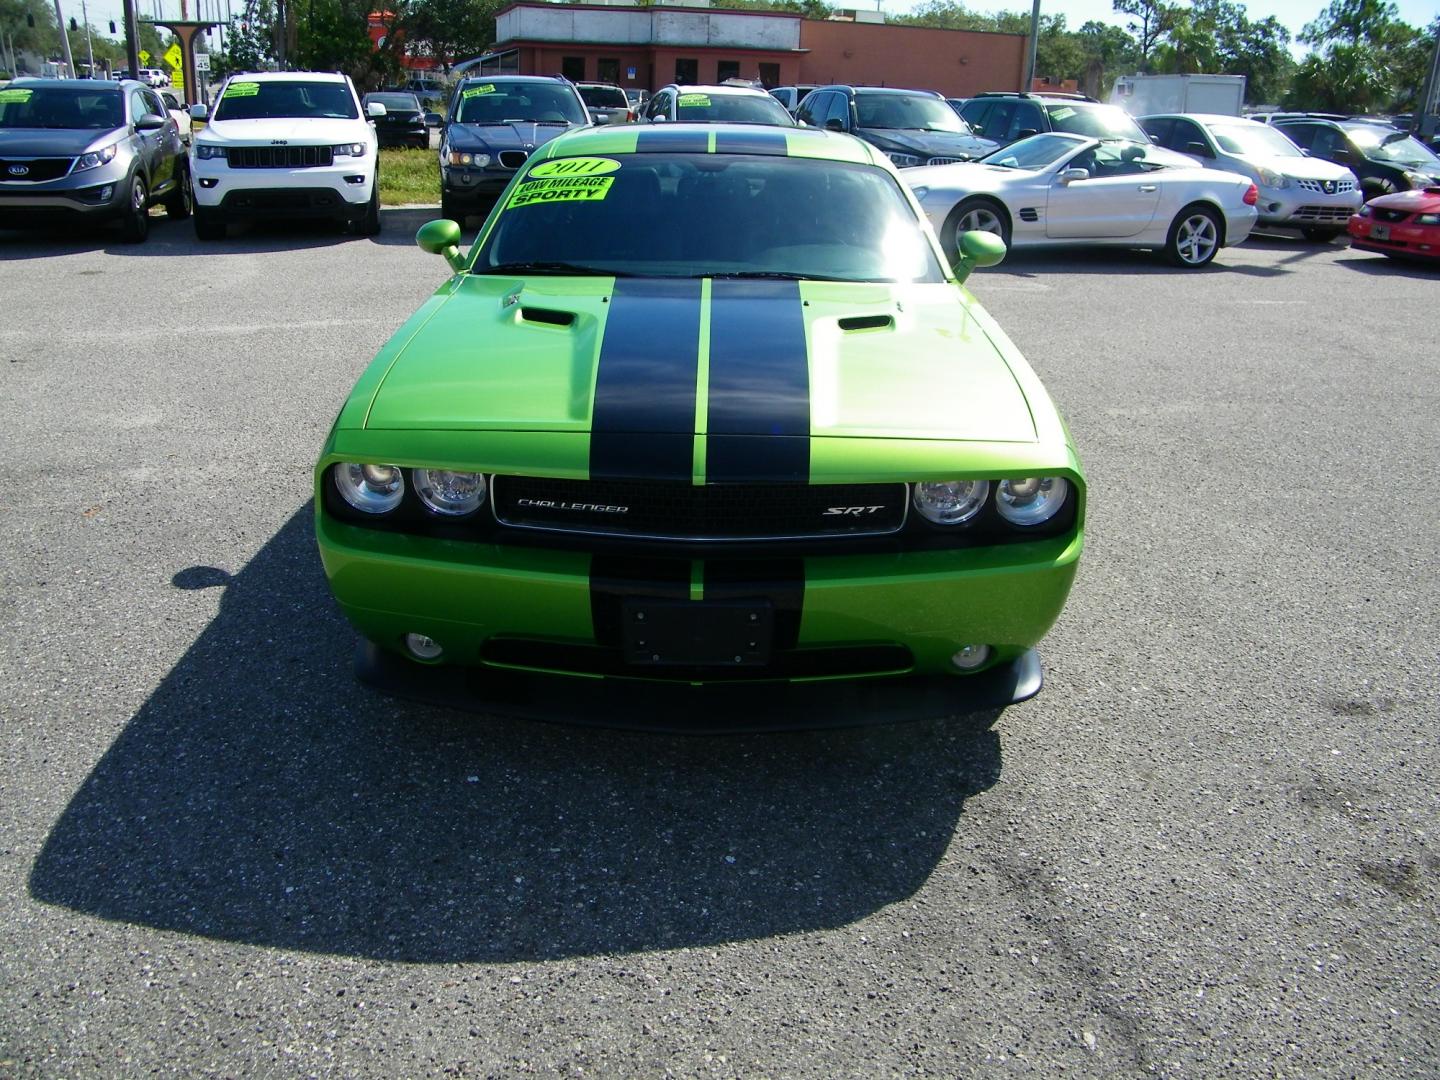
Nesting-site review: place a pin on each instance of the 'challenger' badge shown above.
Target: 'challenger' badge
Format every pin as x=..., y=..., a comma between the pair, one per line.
x=19, y=170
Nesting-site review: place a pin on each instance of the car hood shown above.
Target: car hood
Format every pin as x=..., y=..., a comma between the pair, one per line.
x=927, y=143
x=1415, y=201
x=30, y=142
x=1301, y=168
x=302, y=130
x=519, y=135
x=827, y=359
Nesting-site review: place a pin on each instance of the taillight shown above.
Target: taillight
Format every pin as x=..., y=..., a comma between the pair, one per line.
x=629, y=116
x=1252, y=196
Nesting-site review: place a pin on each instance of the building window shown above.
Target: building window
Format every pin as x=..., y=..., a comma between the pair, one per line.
x=573, y=68
x=607, y=69
x=727, y=69
x=687, y=71
x=770, y=75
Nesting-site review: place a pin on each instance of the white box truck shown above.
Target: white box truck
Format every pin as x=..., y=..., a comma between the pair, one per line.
x=1142, y=95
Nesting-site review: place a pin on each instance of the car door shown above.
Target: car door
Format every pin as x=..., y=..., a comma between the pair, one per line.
x=812, y=109
x=1117, y=199
x=151, y=145
x=976, y=113
x=1189, y=138
x=1027, y=120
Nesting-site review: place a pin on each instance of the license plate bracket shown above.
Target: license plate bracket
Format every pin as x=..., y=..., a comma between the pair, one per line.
x=1380, y=232
x=704, y=633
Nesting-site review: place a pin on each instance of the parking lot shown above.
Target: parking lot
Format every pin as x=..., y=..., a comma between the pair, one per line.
x=1207, y=848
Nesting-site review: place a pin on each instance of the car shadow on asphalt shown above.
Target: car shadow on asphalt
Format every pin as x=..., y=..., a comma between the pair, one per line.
x=1365, y=262
x=262, y=796
x=1036, y=262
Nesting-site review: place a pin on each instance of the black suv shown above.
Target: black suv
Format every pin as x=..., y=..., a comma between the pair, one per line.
x=494, y=124
x=912, y=127
x=1009, y=117
x=1384, y=159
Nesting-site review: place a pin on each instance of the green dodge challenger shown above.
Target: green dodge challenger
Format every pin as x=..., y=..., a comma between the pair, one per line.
x=702, y=432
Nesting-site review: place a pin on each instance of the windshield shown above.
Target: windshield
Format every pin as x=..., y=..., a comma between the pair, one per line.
x=273, y=100
x=1097, y=121
x=1253, y=140
x=701, y=215
x=60, y=107
x=604, y=97
x=711, y=107
x=1036, y=152
x=503, y=103
x=911, y=112
x=395, y=102
x=1380, y=144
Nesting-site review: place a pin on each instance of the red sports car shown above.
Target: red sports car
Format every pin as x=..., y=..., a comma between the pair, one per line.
x=1405, y=225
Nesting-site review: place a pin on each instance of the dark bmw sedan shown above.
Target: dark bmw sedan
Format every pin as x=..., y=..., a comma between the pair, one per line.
x=83, y=150
x=403, y=123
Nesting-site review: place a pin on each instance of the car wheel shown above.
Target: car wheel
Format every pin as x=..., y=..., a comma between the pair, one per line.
x=135, y=225
x=1194, y=237
x=370, y=223
x=975, y=215
x=180, y=202
x=206, y=227
x=1374, y=187
x=1320, y=235
x=448, y=209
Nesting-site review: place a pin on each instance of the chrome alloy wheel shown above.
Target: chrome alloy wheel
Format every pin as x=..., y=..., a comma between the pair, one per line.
x=979, y=219
x=1197, y=239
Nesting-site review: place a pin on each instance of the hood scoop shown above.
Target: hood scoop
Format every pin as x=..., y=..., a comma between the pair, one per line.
x=547, y=316
x=852, y=323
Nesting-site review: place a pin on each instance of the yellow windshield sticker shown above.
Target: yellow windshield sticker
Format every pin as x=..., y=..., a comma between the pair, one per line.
x=561, y=189
x=574, y=166
x=242, y=89
x=686, y=101
x=476, y=91
x=1062, y=113
x=16, y=96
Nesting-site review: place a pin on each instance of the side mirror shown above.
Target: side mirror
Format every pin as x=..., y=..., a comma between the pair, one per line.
x=151, y=123
x=659, y=118
x=1025, y=133
x=434, y=119
x=374, y=109
x=442, y=237
x=1198, y=149
x=200, y=112
x=1069, y=176
x=1342, y=155
x=834, y=124
x=978, y=249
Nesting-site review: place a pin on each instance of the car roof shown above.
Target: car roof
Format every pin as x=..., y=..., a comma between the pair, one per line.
x=681, y=138
x=515, y=79
x=893, y=90
x=75, y=84
x=1202, y=117
x=716, y=88
x=288, y=76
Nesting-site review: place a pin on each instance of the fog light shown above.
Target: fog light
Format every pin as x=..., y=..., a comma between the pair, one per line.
x=971, y=657
x=106, y=192
x=422, y=647
x=355, y=179
x=208, y=182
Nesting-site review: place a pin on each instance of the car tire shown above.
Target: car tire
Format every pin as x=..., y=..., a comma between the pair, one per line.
x=1195, y=237
x=1320, y=235
x=135, y=224
x=1374, y=187
x=180, y=202
x=448, y=209
x=207, y=228
x=984, y=215
x=369, y=225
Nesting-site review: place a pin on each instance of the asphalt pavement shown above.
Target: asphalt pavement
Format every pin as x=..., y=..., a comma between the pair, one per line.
x=1208, y=848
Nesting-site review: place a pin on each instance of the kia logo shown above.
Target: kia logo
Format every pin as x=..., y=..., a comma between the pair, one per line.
x=19, y=170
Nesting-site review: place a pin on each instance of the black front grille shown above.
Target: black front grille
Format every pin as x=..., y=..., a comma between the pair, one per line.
x=688, y=512
x=36, y=169
x=1382, y=214
x=513, y=159
x=280, y=157
x=298, y=199
x=788, y=664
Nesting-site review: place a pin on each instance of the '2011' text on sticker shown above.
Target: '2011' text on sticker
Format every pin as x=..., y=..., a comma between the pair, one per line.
x=575, y=166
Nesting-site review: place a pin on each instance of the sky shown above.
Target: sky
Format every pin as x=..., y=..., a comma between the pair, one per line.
x=1293, y=13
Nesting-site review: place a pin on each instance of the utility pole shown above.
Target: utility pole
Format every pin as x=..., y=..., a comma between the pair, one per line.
x=132, y=39
x=1425, y=120
x=65, y=42
x=1034, y=42
x=89, y=45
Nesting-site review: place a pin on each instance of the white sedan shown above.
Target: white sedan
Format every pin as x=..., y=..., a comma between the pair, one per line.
x=1064, y=189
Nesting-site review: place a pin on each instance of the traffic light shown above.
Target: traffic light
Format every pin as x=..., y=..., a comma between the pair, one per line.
x=73, y=27
x=112, y=27
x=30, y=21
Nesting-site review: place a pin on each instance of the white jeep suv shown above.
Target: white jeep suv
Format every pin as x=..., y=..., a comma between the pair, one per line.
x=286, y=144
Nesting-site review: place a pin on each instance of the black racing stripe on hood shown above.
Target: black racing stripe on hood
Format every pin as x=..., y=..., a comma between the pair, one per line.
x=759, y=387
x=643, y=420
x=752, y=142
x=663, y=140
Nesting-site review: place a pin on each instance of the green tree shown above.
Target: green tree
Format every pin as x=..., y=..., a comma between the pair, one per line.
x=1150, y=21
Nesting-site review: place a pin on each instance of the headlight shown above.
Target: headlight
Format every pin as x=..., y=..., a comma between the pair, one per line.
x=205, y=151
x=372, y=489
x=96, y=158
x=902, y=161
x=350, y=149
x=453, y=494
x=1032, y=501
x=950, y=502
x=1272, y=179
x=477, y=160
x=1427, y=219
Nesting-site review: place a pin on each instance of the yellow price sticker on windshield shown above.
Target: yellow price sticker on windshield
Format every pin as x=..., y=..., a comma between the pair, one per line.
x=561, y=189
x=1062, y=113
x=476, y=91
x=686, y=101
x=574, y=166
x=15, y=97
x=242, y=89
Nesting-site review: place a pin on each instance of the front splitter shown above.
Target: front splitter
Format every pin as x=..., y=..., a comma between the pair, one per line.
x=699, y=710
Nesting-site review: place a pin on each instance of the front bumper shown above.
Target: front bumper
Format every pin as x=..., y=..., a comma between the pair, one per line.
x=341, y=190
x=102, y=196
x=1295, y=208
x=1410, y=241
x=473, y=187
